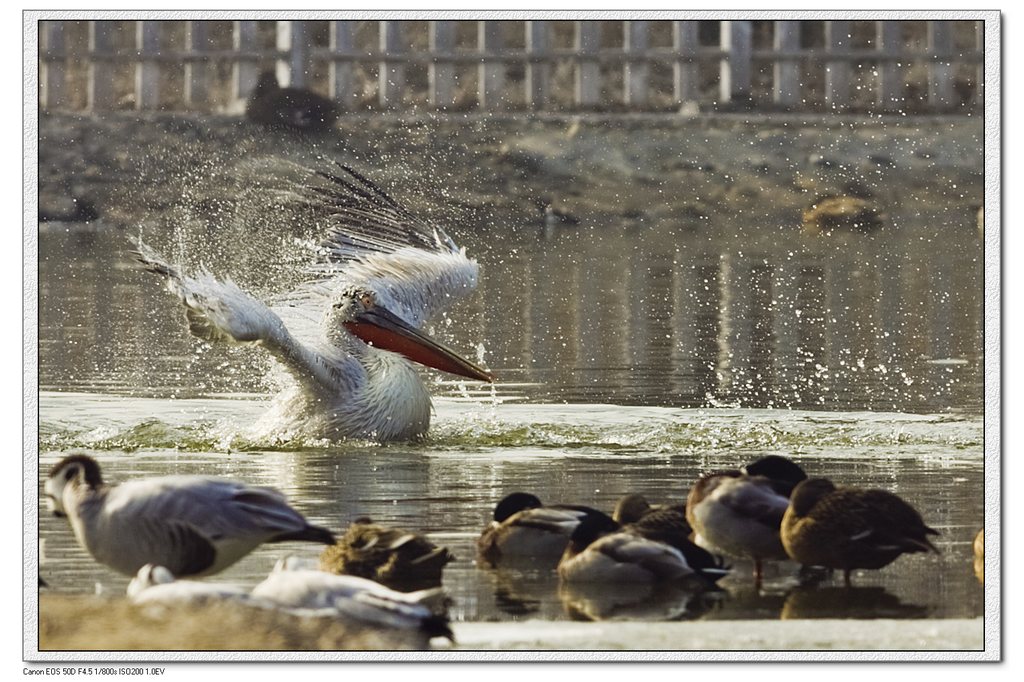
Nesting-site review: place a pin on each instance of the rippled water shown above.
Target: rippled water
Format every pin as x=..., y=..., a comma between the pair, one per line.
x=623, y=367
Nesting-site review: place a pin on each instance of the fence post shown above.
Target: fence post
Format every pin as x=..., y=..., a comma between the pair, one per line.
x=734, y=71
x=100, y=88
x=293, y=39
x=786, y=72
x=635, y=72
x=686, y=43
x=197, y=86
x=147, y=71
x=538, y=68
x=837, y=71
x=979, y=76
x=940, y=70
x=53, y=72
x=588, y=70
x=244, y=68
x=342, y=87
x=441, y=72
x=391, y=76
x=890, y=81
x=491, y=79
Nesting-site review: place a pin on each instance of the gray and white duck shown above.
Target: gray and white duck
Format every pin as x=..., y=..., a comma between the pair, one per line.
x=191, y=525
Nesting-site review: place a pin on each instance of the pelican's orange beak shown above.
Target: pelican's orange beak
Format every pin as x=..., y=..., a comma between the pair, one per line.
x=380, y=328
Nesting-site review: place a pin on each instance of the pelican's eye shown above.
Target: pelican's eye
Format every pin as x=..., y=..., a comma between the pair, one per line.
x=367, y=300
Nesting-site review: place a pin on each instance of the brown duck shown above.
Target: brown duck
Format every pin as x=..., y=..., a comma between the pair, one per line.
x=393, y=557
x=848, y=528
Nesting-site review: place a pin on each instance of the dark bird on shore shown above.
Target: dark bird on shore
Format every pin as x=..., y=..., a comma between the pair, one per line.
x=738, y=512
x=394, y=557
x=82, y=211
x=272, y=105
x=848, y=528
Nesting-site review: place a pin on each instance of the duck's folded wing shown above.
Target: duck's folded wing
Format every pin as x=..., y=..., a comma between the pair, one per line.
x=659, y=559
x=549, y=519
x=415, y=268
x=757, y=503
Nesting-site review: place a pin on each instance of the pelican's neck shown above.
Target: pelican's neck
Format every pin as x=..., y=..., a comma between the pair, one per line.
x=391, y=402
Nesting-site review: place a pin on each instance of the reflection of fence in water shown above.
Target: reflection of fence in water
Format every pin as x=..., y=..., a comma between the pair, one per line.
x=759, y=330
x=630, y=65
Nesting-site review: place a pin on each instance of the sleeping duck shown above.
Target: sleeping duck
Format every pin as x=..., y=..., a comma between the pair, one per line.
x=848, y=528
x=393, y=557
x=272, y=105
x=600, y=550
x=663, y=523
x=632, y=507
x=738, y=512
x=523, y=529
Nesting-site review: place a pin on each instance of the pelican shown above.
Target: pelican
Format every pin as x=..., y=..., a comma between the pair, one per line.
x=191, y=525
x=348, y=337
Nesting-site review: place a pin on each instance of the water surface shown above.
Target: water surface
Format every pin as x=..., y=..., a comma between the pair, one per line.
x=629, y=362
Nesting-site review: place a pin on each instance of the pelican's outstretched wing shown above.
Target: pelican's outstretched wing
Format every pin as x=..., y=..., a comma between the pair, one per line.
x=219, y=311
x=373, y=240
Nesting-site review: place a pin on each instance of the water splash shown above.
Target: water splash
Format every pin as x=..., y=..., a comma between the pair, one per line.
x=460, y=426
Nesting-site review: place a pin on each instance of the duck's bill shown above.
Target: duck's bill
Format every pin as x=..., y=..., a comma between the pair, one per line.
x=382, y=329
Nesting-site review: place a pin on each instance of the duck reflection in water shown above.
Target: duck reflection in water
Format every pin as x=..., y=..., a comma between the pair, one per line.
x=632, y=601
x=532, y=593
x=848, y=602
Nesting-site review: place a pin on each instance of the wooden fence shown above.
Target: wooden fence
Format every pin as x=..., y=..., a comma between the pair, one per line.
x=933, y=66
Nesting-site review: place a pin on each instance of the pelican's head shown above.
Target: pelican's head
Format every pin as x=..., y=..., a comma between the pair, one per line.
x=359, y=310
x=72, y=474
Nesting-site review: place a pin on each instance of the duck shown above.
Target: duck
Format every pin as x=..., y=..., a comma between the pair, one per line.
x=979, y=556
x=843, y=212
x=82, y=210
x=318, y=593
x=738, y=512
x=156, y=584
x=600, y=550
x=523, y=529
x=191, y=525
x=663, y=523
x=391, y=556
x=272, y=105
x=632, y=507
x=848, y=528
